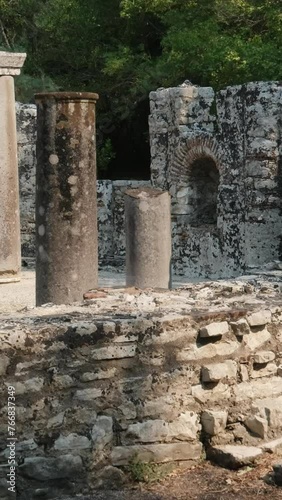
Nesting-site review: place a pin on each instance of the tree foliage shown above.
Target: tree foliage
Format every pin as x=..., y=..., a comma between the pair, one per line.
x=123, y=49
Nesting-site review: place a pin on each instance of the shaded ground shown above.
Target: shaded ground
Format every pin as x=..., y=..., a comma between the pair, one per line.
x=203, y=482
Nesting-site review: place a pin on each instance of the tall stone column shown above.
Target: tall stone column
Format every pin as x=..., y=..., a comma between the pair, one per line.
x=148, y=238
x=10, y=243
x=66, y=205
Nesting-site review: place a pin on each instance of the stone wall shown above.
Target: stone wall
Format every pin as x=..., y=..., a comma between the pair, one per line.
x=220, y=154
x=96, y=386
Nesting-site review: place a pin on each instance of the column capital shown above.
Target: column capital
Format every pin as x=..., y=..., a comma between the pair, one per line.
x=11, y=63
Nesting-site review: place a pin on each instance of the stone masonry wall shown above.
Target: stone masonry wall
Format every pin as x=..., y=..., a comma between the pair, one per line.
x=121, y=376
x=236, y=135
x=219, y=155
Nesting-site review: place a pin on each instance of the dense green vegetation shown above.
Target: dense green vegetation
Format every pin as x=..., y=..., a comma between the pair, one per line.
x=124, y=49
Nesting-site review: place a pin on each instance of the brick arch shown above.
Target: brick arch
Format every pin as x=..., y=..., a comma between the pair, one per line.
x=191, y=149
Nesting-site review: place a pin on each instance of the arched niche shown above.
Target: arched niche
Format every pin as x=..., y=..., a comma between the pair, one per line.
x=203, y=182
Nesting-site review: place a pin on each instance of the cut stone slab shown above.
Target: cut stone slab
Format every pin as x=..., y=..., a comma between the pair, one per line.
x=259, y=318
x=158, y=453
x=232, y=456
x=214, y=329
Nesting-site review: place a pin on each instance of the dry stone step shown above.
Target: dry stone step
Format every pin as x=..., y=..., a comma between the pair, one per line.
x=234, y=456
x=158, y=453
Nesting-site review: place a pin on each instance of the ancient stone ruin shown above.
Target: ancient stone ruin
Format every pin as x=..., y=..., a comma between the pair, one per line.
x=219, y=155
x=153, y=375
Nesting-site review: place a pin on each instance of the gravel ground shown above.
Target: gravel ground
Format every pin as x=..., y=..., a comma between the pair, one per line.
x=203, y=482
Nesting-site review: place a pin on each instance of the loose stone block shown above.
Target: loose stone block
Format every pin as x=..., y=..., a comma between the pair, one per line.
x=218, y=371
x=88, y=394
x=234, y=456
x=257, y=425
x=46, y=469
x=214, y=329
x=184, y=428
x=72, y=442
x=214, y=422
x=66, y=206
x=259, y=318
x=148, y=238
x=159, y=453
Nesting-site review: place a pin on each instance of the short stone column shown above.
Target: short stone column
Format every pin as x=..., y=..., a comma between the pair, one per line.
x=10, y=242
x=148, y=238
x=66, y=201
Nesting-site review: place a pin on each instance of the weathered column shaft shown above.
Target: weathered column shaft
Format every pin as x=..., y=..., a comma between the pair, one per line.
x=148, y=238
x=10, y=244
x=66, y=206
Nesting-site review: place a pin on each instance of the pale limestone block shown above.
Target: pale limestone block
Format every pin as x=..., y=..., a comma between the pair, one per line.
x=214, y=329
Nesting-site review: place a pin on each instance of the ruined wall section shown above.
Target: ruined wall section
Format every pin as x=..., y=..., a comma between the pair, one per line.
x=239, y=130
x=94, y=391
x=185, y=132
x=263, y=150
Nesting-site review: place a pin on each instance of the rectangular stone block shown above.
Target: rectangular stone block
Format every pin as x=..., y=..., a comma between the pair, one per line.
x=219, y=371
x=158, y=453
x=114, y=351
x=259, y=318
x=214, y=329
